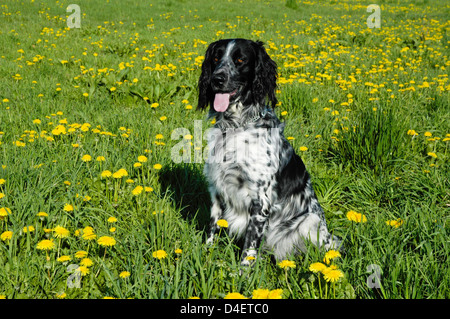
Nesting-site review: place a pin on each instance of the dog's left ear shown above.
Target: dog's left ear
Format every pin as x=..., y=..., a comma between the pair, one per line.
x=266, y=74
x=205, y=95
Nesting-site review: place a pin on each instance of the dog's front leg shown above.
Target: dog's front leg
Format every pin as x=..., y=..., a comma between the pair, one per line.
x=216, y=214
x=254, y=234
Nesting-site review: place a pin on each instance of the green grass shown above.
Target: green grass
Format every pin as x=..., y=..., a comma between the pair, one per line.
x=350, y=94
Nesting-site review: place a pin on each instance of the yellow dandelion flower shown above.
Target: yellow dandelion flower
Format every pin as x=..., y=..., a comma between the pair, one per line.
x=234, y=295
x=45, y=244
x=333, y=275
x=6, y=235
x=275, y=294
x=222, y=223
x=432, y=154
x=106, y=173
x=142, y=159
x=27, y=229
x=317, y=267
x=428, y=134
x=4, y=211
x=112, y=219
x=86, y=158
x=68, y=208
x=285, y=264
x=64, y=258
x=86, y=262
x=61, y=295
x=356, y=217
x=160, y=254
x=157, y=166
x=106, y=241
x=124, y=274
x=81, y=254
x=394, y=223
x=260, y=294
x=303, y=148
x=137, y=190
x=331, y=254
x=83, y=270
x=61, y=232
x=178, y=251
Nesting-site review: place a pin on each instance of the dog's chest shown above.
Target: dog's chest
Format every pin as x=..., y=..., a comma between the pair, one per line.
x=252, y=153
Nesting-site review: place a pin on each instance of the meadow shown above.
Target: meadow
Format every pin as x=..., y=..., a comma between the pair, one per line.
x=92, y=204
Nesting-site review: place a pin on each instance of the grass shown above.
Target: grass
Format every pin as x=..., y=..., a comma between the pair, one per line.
x=367, y=109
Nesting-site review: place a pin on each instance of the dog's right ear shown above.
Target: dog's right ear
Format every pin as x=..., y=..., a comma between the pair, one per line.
x=205, y=94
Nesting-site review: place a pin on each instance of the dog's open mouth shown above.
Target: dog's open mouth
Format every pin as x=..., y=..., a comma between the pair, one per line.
x=222, y=100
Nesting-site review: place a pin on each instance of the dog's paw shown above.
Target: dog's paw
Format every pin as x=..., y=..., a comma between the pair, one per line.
x=210, y=241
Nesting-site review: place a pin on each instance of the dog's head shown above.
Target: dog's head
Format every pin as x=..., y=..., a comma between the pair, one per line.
x=237, y=70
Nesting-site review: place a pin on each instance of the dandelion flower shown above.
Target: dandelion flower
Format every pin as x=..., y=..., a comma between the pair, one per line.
x=86, y=158
x=106, y=173
x=222, y=223
x=112, y=219
x=303, y=148
x=142, y=159
x=160, y=254
x=6, y=235
x=285, y=264
x=394, y=223
x=68, y=208
x=88, y=233
x=42, y=214
x=317, y=267
x=81, y=254
x=124, y=274
x=333, y=275
x=83, y=270
x=157, y=166
x=45, y=244
x=356, y=217
x=275, y=294
x=331, y=254
x=61, y=295
x=61, y=232
x=234, y=295
x=64, y=258
x=137, y=190
x=106, y=241
x=27, y=229
x=86, y=262
x=4, y=211
x=260, y=294
x=432, y=154
x=178, y=251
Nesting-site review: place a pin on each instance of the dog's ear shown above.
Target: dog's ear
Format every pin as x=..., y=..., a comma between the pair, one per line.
x=266, y=74
x=205, y=94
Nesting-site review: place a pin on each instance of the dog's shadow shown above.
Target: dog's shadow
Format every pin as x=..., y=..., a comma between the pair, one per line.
x=185, y=184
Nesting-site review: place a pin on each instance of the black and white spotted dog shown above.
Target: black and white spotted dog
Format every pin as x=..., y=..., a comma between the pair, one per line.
x=256, y=181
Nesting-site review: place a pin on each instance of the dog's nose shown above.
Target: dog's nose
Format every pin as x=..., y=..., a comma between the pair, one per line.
x=218, y=79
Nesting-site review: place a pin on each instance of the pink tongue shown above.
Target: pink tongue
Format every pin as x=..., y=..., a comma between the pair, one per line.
x=221, y=102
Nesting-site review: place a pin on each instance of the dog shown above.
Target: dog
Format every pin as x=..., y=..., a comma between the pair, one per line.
x=257, y=183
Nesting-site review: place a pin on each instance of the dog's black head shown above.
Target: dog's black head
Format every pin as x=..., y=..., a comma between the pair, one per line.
x=237, y=70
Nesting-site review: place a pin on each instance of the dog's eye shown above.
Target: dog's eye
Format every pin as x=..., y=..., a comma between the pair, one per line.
x=240, y=61
x=216, y=59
